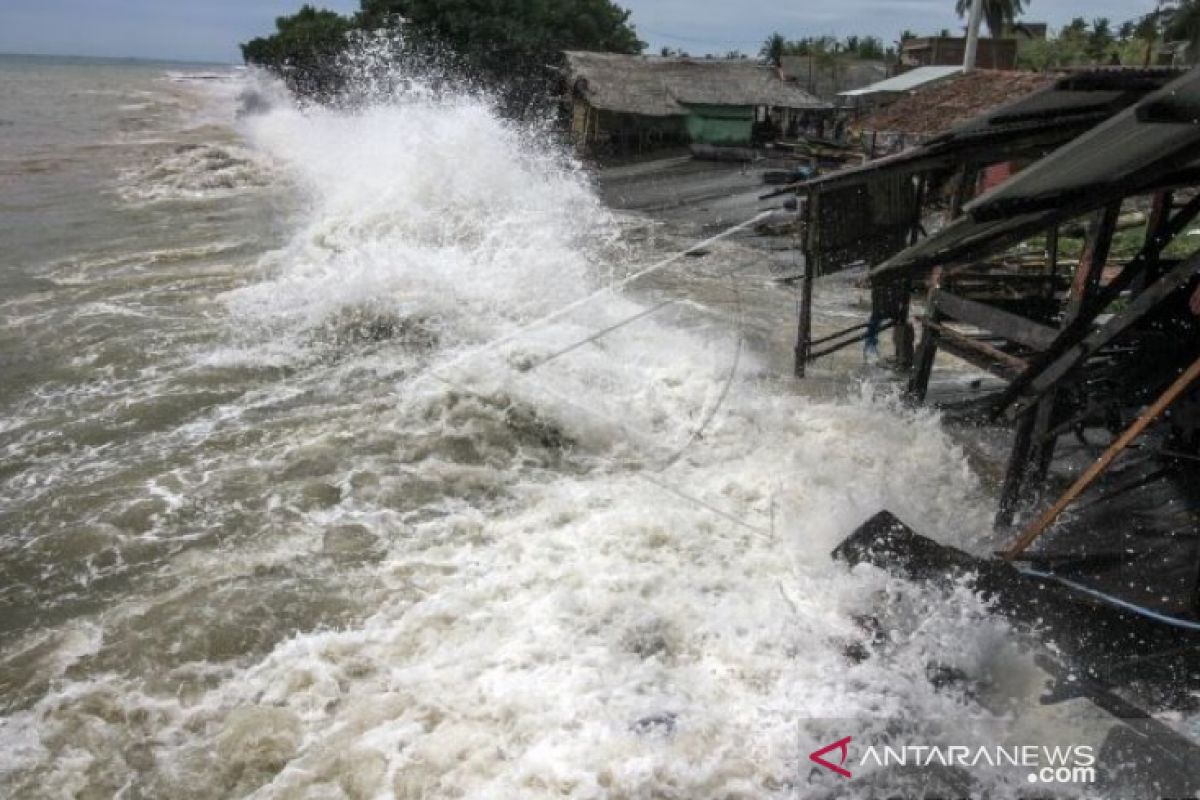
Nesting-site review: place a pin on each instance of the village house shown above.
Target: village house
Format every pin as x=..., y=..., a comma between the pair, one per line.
x=934, y=51
x=624, y=104
x=827, y=76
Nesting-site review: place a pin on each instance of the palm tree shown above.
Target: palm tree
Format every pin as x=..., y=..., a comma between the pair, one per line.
x=1181, y=22
x=773, y=49
x=997, y=13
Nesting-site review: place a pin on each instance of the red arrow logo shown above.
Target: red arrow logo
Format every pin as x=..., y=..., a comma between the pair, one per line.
x=840, y=744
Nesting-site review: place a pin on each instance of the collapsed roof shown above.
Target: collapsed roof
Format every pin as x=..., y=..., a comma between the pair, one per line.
x=938, y=107
x=1154, y=144
x=659, y=86
x=1030, y=126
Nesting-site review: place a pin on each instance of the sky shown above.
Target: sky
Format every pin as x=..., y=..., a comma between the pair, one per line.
x=210, y=30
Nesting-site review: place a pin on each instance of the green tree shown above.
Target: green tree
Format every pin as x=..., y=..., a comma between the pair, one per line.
x=1100, y=39
x=303, y=50
x=998, y=14
x=871, y=47
x=774, y=49
x=1181, y=22
x=515, y=45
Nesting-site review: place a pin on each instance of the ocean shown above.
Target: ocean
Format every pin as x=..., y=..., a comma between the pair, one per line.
x=346, y=454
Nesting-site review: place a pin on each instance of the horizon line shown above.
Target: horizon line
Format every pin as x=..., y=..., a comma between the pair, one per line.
x=145, y=59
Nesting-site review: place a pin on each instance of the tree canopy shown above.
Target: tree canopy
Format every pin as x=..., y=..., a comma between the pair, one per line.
x=504, y=43
x=777, y=46
x=998, y=14
x=302, y=49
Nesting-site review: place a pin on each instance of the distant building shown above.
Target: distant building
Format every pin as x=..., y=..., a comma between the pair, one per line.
x=932, y=51
x=827, y=77
x=630, y=104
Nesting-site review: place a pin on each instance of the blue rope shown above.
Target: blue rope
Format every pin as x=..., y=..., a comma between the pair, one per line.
x=1116, y=601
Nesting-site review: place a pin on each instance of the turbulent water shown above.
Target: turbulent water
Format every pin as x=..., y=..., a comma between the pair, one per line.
x=339, y=459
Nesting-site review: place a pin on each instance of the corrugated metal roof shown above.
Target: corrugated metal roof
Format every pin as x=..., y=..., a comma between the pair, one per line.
x=658, y=86
x=906, y=82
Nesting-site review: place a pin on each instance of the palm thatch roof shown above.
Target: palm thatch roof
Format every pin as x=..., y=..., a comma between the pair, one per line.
x=658, y=86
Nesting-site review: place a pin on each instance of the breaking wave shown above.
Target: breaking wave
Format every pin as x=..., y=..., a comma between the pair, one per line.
x=489, y=529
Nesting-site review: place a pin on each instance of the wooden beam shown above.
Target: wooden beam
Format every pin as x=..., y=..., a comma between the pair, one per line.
x=1011, y=326
x=1072, y=334
x=1120, y=322
x=1039, y=526
x=1014, y=474
x=804, y=324
x=1092, y=262
x=918, y=382
x=951, y=337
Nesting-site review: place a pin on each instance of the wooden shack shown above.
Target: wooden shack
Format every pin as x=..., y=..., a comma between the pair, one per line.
x=622, y=104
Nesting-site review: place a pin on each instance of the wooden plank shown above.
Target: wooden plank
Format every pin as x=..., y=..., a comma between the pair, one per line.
x=1039, y=526
x=1118, y=324
x=1011, y=326
x=949, y=335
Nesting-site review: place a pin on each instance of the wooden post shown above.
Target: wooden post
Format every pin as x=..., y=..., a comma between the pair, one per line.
x=1092, y=262
x=1039, y=526
x=1018, y=464
x=804, y=323
x=918, y=384
x=1071, y=335
x=1032, y=445
x=903, y=333
x=1051, y=259
x=804, y=327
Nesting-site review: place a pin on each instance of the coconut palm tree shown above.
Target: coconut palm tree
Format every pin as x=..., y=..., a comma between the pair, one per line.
x=1181, y=23
x=773, y=49
x=997, y=13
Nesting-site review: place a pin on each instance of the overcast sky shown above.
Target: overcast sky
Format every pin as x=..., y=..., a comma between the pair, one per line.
x=209, y=30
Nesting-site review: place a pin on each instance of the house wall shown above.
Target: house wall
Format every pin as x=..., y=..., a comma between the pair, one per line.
x=935, y=51
x=720, y=124
x=615, y=134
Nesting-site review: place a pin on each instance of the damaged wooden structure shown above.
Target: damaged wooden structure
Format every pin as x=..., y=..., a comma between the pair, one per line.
x=864, y=215
x=1078, y=348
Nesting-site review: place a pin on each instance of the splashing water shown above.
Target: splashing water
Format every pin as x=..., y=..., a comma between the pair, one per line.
x=389, y=559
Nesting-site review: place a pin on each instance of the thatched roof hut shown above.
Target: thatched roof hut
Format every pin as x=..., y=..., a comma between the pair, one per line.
x=658, y=86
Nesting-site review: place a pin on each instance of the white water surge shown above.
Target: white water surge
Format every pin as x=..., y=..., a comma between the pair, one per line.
x=431, y=568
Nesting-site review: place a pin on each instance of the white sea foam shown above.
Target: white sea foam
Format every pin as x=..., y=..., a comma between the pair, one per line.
x=604, y=576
